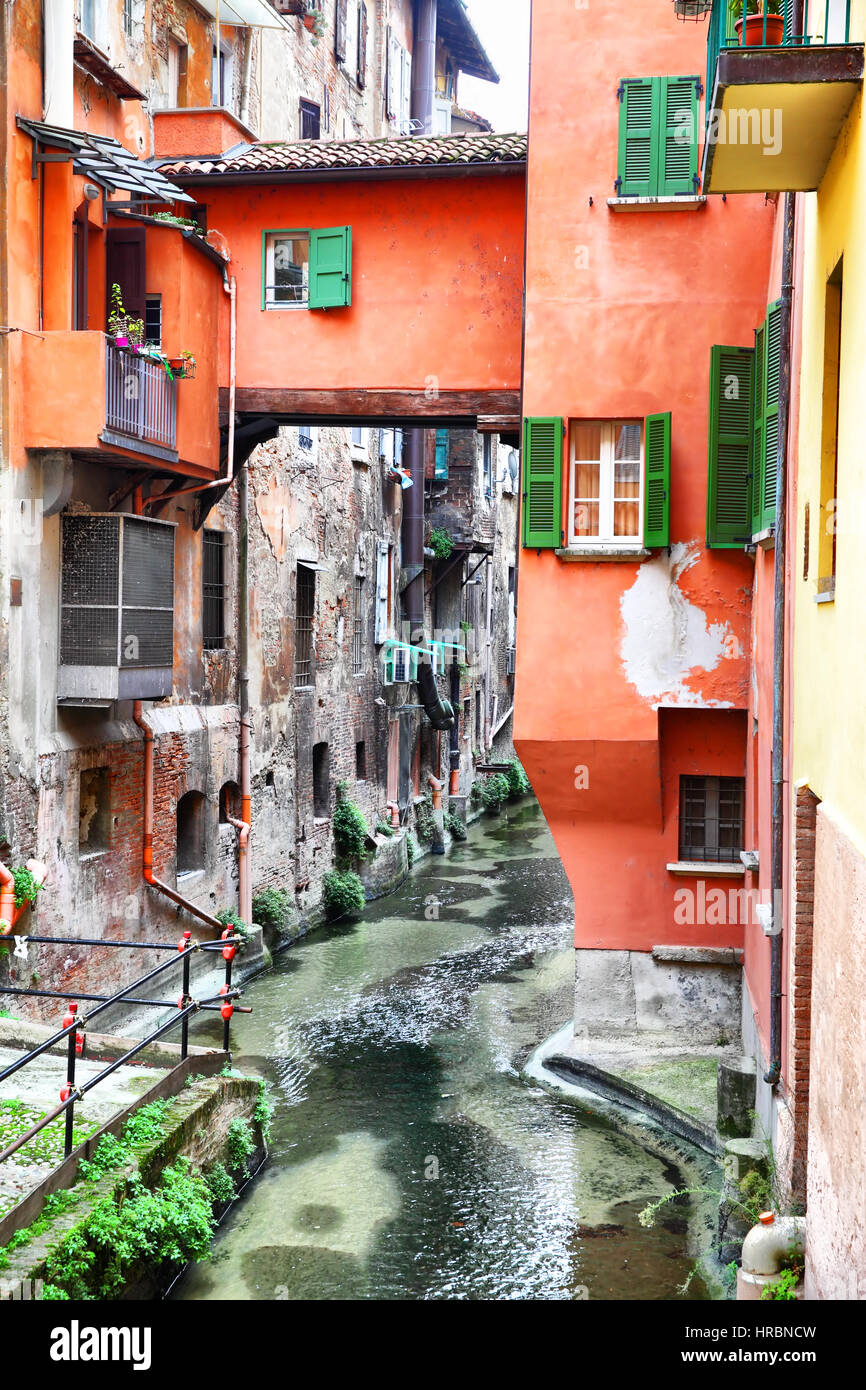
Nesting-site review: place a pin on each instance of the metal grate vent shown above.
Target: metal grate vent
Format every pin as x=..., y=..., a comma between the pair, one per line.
x=117, y=592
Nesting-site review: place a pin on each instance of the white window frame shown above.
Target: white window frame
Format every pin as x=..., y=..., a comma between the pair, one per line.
x=271, y=238
x=383, y=592
x=405, y=116
x=360, y=448
x=605, y=538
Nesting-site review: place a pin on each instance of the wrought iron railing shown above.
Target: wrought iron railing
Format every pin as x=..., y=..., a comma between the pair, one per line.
x=824, y=22
x=140, y=397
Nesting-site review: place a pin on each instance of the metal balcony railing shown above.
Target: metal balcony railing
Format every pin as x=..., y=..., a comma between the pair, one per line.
x=824, y=22
x=140, y=398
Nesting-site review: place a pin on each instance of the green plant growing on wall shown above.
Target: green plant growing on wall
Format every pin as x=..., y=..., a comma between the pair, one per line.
x=455, y=826
x=784, y=1288
x=274, y=910
x=264, y=1111
x=343, y=894
x=350, y=828
x=494, y=792
x=441, y=543
x=412, y=850
x=174, y=221
x=26, y=887
x=229, y=918
x=518, y=782
x=425, y=824
x=383, y=828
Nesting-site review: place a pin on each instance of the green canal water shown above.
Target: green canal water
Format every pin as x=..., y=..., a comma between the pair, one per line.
x=408, y=1158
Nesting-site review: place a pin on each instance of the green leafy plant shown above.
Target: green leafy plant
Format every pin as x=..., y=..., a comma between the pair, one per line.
x=383, y=828
x=754, y=7
x=274, y=910
x=425, y=824
x=518, y=782
x=783, y=1289
x=220, y=1183
x=264, y=1111
x=174, y=221
x=120, y=323
x=441, y=543
x=240, y=1142
x=350, y=827
x=412, y=850
x=26, y=887
x=494, y=792
x=455, y=826
x=343, y=894
x=229, y=918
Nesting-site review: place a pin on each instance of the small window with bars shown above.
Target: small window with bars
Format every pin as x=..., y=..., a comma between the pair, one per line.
x=305, y=436
x=711, y=819
x=213, y=590
x=358, y=630
x=153, y=320
x=304, y=610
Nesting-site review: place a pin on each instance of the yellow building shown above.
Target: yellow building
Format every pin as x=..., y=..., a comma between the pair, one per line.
x=827, y=580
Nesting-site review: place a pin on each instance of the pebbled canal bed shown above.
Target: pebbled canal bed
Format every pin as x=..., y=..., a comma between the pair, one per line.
x=408, y=1159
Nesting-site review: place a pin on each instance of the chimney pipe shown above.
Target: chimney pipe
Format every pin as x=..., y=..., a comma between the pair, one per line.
x=424, y=66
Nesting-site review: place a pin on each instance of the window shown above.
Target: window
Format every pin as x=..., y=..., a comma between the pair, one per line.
x=711, y=819
x=229, y=802
x=358, y=626
x=361, y=70
x=94, y=812
x=391, y=447
x=213, y=590
x=311, y=269
x=190, y=833
x=487, y=464
x=321, y=781
x=223, y=75
x=398, y=85
x=658, y=145
x=828, y=513
x=743, y=437
x=341, y=29
x=128, y=19
x=305, y=436
x=87, y=16
x=311, y=120
x=304, y=610
x=441, y=466
x=605, y=501
x=360, y=762
x=359, y=443
x=153, y=320
x=177, y=67
x=384, y=563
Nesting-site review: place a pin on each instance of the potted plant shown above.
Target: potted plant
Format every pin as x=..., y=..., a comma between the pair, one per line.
x=314, y=20
x=124, y=329
x=755, y=12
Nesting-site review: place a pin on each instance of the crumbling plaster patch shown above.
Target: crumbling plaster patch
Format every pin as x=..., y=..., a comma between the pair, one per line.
x=665, y=638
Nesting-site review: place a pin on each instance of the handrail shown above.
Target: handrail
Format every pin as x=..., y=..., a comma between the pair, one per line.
x=722, y=32
x=73, y=1031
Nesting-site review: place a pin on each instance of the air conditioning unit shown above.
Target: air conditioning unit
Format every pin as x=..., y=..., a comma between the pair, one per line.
x=116, y=609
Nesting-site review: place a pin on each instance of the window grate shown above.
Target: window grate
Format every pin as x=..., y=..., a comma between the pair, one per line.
x=213, y=591
x=305, y=605
x=711, y=819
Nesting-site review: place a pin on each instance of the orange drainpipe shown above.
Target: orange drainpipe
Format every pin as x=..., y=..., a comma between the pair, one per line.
x=437, y=791
x=147, y=857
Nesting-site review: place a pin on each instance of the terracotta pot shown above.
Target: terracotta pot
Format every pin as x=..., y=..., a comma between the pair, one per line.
x=310, y=22
x=176, y=364
x=755, y=30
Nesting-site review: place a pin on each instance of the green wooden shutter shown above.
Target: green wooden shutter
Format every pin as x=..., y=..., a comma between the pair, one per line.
x=758, y=409
x=441, y=465
x=729, y=465
x=678, y=135
x=772, y=363
x=657, y=480
x=638, y=137
x=330, y=268
x=542, y=482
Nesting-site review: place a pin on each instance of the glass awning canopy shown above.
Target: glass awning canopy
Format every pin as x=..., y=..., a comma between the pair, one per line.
x=253, y=14
x=102, y=159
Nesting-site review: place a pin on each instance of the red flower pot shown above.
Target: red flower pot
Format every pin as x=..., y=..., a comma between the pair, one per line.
x=755, y=30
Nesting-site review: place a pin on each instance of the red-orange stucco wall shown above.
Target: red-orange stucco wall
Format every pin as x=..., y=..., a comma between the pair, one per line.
x=436, y=284
x=621, y=312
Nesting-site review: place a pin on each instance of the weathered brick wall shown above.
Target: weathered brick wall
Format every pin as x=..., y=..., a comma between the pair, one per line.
x=799, y=1001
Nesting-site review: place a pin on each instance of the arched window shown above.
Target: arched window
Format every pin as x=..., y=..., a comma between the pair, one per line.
x=190, y=833
x=230, y=802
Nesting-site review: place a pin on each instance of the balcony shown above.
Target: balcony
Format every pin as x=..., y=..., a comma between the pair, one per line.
x=777, y=98
x=140, y=401
x=83, y=393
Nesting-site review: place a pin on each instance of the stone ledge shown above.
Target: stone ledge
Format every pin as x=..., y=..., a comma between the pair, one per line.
x=698, y=869
x=698, y=955
x=572, y=553
x=676, y=202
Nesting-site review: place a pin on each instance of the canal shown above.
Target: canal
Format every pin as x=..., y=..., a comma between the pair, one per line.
x=408, y=1158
